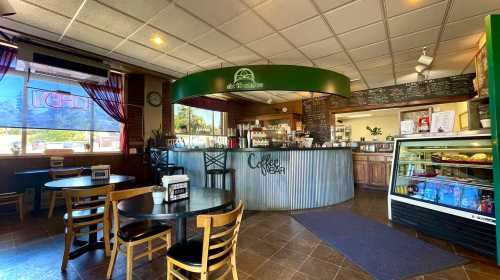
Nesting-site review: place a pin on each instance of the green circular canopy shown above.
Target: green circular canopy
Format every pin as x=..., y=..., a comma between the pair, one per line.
x=261, y=78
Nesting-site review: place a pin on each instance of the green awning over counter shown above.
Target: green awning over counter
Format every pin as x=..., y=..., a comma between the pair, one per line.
x=267, y=77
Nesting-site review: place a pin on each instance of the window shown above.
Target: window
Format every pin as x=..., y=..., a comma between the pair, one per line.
x=196, y=121
x=52, y=113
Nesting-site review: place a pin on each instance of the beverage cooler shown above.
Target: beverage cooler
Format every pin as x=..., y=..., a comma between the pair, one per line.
x=442, y=186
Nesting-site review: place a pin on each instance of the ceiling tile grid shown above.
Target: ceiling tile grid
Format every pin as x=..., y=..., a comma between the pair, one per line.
x=355, y=37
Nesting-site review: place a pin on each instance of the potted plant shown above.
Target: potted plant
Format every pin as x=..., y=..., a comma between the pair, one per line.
x=374, y=132
x=158, y=194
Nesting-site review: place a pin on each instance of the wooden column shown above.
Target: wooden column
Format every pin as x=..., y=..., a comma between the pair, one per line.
x=167, y=108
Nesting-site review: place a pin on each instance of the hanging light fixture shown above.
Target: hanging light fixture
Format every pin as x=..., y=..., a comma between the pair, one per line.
x=6, y=8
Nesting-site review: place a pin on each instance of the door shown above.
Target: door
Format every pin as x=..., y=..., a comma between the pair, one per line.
x=377, y=173
x=360, y=171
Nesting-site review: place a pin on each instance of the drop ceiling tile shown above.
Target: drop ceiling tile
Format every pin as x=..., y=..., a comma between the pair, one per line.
x=306, y=32
x=354, y=15
x=364, y=36
x=369, y=51
x=253, y=3
x=347, y=69
x=411, y=54
x=282, y=13
x=466, y=8
x=414, y=40
x=417, y=20
x=171, y=63
x=325, y=5
x=137, y=51
x=143, y=10
x=214, y=62
x=211, y=12
x=190, y=53
x=378, y=71
x=67, y=7
x=406, y=77
x=146, y=33
x=321, y=48
x=357, y=86
x=192, y=69
x=407, y=66
x=105, y=18
x=464, y=27
x=461, y=57
x=270, y=45
x=292, y=57
x=374, y=62
x=179, y=23
x=215, y=42
x=460, y=43
x=37, y=17
x=241, y=55
x=90, y=35
x=397, y=7
x=333, y=60
x=238, y=28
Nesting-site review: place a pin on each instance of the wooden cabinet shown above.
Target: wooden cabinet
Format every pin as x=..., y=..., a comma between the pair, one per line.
x=372, y=170
x=360, y=171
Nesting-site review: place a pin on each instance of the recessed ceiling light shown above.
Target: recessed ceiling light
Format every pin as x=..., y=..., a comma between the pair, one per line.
x=157, y=40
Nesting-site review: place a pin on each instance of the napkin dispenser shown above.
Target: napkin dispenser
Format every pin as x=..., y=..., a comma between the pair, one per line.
x=56, y=162
x=177, y=187
x=100, y=172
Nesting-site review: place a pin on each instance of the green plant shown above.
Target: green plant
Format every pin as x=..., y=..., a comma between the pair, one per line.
x=159, y=138
x=374, y=131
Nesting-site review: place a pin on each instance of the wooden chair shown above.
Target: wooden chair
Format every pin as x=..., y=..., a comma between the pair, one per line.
x=60, y=174
x=86, y=208
x=13, y=198
x=135, y=233
x=217, y=249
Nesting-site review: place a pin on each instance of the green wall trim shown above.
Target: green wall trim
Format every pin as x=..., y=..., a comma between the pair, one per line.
x=492, y=28
x=260, y=78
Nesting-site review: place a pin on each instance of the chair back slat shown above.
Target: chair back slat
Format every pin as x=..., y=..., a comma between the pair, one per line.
x=66, y=173
x=85, y=200
x=220, y=235
x=215, y=159
x=118, y=196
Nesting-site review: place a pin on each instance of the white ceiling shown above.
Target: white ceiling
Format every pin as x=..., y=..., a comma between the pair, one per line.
x=375, y=41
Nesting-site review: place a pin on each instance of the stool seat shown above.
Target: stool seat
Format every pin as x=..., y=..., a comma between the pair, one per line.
x=141, y=229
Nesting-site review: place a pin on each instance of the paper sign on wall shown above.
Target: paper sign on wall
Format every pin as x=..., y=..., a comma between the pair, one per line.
x=407, y=127
x=442, y=121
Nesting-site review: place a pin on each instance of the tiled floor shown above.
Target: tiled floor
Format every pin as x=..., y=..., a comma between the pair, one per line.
x=271, y=246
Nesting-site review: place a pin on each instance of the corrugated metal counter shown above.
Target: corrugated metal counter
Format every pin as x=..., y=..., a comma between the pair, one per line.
x=286, y=179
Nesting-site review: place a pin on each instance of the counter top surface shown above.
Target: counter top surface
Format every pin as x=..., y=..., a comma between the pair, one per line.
x=264, y=149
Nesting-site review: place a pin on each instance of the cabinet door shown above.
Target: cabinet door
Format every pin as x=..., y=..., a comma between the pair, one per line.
x=360, y=171
x=377, y=173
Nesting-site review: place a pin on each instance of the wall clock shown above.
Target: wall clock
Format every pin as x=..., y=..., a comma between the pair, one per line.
x=154, y=98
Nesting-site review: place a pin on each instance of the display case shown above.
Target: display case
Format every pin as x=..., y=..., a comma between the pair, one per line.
x=444, y=186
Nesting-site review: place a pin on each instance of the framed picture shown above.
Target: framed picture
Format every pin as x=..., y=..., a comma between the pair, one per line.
x=463, y=120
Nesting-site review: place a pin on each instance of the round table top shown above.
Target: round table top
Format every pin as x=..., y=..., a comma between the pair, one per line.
x=87, y=182
x=201, y=200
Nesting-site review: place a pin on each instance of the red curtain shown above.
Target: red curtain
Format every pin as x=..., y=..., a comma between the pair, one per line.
x=6, y=56
x=109, y=96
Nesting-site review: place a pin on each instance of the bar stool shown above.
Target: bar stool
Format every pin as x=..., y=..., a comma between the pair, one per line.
x=216, y=164
x=160, y=164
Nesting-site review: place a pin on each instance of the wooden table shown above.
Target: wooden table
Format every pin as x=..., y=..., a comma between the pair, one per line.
x=87, y=182
x=201, y=200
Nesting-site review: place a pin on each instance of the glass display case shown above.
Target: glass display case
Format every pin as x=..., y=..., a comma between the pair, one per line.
x=452, y=175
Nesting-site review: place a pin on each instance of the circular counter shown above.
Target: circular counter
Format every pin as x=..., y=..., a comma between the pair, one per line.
x=281, y=179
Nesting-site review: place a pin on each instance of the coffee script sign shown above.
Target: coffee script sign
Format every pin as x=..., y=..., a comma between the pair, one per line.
x=266, y=164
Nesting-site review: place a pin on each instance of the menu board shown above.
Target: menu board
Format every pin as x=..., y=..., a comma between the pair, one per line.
x=316, y=118
x=460, y=85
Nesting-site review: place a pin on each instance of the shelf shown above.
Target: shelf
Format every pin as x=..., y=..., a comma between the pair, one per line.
x=432, y=179
x=468, y=150
x=460, y=165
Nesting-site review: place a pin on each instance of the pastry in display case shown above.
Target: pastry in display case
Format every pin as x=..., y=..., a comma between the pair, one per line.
x=444, y=185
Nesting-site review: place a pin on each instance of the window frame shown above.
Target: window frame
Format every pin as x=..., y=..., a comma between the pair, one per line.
x=24, y=130
x=223, y=122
